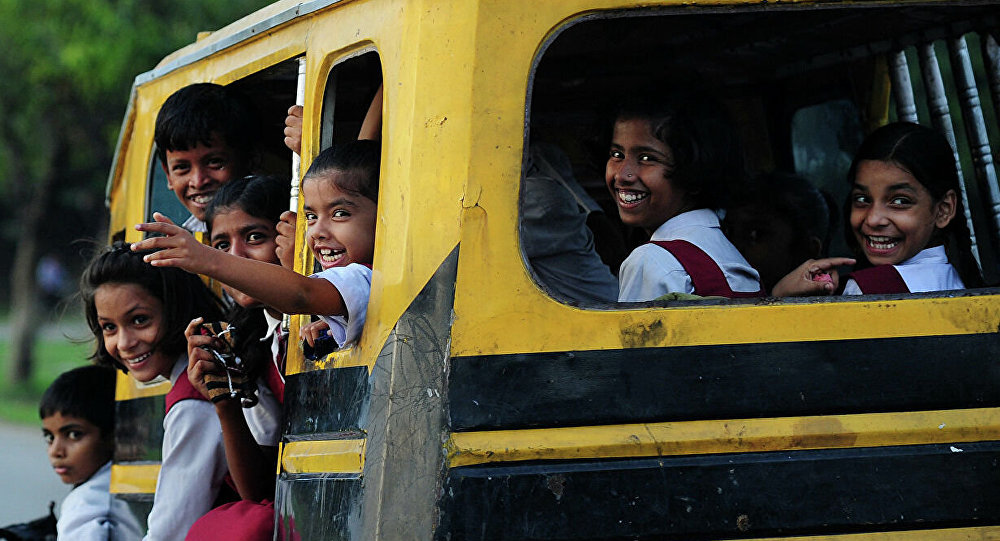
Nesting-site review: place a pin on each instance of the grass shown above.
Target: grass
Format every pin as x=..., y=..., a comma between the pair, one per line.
x=19, y=403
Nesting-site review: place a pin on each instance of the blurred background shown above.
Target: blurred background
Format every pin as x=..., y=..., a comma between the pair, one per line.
x=65, y=80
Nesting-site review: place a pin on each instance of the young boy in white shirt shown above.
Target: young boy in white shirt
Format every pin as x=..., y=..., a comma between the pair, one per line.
x=77, y=413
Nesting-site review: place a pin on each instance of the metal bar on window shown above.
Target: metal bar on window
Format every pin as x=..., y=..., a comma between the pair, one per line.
x=937, y=101
x=975, y=124
x=902, y=88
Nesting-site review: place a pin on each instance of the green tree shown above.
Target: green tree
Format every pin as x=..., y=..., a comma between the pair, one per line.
x=65, y=77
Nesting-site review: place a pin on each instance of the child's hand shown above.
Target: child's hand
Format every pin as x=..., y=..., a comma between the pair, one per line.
x=200, y=360
x=177, y=248
x=293, y=129
x=814, y=277
x=312, y=331
x=286, y=239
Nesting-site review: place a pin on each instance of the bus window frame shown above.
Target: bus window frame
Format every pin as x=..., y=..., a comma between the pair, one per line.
x=663, y=11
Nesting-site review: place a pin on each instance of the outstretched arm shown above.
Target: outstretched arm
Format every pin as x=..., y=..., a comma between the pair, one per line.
x=814, y=277
x=273, y=285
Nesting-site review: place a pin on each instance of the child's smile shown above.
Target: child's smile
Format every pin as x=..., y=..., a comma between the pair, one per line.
x=197, y=173
x=893, y=216
x=76, y=448
x=638, y=176
x=131, y=319
x=340, y=224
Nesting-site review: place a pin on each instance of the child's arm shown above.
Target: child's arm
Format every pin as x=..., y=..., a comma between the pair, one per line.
x=251, y=466
x=371, y=127
x=273, y=285
x=814, y=277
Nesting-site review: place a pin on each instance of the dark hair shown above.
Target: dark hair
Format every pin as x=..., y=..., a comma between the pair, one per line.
x=359, y=162
x=794, y=200
x=707, y=155
x=260, y=196
x=184, y=296
x=925, y=154
x=264, y=197
x=195, y=113
x=87, y=392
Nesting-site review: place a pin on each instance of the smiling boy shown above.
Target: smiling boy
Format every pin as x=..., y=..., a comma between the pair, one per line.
x=206, y=135
x=77, y=413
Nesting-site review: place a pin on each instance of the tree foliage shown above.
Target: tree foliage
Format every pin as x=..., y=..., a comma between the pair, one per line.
x=65, y=76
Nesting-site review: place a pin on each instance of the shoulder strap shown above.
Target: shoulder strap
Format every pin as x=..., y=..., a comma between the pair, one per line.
x=706, y=276
x=182, y=390
x=880, y=280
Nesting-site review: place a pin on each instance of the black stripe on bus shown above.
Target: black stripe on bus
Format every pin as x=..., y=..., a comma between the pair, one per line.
x=727, y=496
x=334, y=400
x=724, y=382
x=139, y=429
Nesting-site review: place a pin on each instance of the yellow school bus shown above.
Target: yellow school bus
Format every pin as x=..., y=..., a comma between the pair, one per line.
x=478, y=405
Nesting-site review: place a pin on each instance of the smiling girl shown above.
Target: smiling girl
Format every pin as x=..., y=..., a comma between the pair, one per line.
x=340, y=192
x=138, y=314
x=671, y=163
x=904, y=219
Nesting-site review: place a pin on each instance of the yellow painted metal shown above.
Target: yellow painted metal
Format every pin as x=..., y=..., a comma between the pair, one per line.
x=127, y=388
x=725, y=436
x=134, y=478
x=948, y=534
x=328, y=456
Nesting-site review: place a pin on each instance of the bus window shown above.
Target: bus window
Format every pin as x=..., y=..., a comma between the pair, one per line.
x=349, y=91
x=269, y=93
x=824, y=138
x=802, y=86
x=347, y=100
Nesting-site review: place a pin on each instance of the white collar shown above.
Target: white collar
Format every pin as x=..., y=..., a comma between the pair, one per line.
x=697, y=217
x=928, y=256
x=195, y=225
x=272, y=323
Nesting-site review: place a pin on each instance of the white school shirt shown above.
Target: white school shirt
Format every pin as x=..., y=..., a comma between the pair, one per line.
x=929, y=270
x=650, y=271
x=195, y=225
x=193, y=467
x=91, y=513
x=264, y=419
x=354, y=282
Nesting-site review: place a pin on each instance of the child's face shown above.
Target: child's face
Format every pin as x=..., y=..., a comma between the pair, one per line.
x=638, y=176
x=767, y=242
x=340, y=225
x=76, y=447
x=132, y=325
x=197, y=173
x=238, y=233
x=893, y=216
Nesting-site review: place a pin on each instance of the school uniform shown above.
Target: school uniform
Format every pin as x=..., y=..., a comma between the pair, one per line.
x=195, y=225
x=929, y=270
x=244, y=519
x=91, y=513
x=264, y=419
x=652, y=271
x=193, y=465
x=354, y=282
